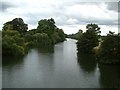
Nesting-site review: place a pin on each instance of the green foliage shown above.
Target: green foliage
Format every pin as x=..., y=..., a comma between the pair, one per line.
x=41, y=39
x=46, y=26
x=16, y=24
x=17, y=40
x=76, y=35
x=93, y=27
x=12, y=44
x=88, y=40
x=58, y=36
x=109, y=51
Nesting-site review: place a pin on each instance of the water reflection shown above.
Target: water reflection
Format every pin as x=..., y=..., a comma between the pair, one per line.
x=109, y=76
x=29, y=71
x=11, y=61
x=87, y=62
x=56, y=70
x=49, y=49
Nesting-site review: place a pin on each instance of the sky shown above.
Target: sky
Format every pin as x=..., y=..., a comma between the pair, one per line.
x=69, y=15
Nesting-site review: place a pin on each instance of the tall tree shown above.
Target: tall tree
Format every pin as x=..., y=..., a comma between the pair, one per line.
x=46, y=26
x=89, y=39
x=16, y=24
x=109, y=51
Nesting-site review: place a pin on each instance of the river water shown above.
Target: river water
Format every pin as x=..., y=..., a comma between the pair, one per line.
x=59, y=69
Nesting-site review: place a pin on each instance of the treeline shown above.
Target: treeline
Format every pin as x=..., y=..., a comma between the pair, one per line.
x=74, y=36
x=17, y=40
x=105, y=49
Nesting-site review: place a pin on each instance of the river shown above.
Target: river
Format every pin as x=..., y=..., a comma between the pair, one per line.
x=60, y=69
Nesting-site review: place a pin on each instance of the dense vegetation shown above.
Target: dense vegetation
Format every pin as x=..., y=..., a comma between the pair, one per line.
x=13, y=43
x=16, y=40
x=88, y=39
x=109, y=50
x=107, y=47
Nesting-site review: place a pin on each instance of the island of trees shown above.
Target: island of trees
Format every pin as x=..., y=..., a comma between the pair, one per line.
x=105, y=49
x=17, y=40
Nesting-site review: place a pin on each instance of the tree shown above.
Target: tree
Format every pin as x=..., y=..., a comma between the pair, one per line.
x=16, y=24
x=76, y=35
x=46, y=26
x=12, y=44
x=109, y=52
x=88, y=40
x=17, y=40
x=93, y=27
x=58, y=36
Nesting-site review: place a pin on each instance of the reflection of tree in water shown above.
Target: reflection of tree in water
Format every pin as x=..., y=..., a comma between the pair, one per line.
x=48, y=49
x=11, y=61
x=87, y=62
x=109, y=76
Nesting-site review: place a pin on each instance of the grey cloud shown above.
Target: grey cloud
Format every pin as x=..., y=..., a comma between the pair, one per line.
x=85, y=20
x=5, y=5
x=59, y=14
x=113, y=6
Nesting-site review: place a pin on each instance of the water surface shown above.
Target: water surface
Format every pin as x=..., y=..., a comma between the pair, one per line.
x=58, y=69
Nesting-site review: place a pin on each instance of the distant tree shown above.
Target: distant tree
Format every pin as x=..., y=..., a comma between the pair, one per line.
x=79, y=34
x=76, y=35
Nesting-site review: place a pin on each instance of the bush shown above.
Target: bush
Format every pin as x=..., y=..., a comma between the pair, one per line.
x=109, y=51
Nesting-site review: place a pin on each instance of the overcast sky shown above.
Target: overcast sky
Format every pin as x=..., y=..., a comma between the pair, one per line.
x=70, y=15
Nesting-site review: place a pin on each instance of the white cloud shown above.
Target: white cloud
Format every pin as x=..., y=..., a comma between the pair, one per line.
x=91, y=12
x=69, y=29
x=70, y=15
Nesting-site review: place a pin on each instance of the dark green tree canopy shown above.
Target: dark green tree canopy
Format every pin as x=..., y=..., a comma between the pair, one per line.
x=46, y=26
x=16, y=24
x=93, y=27
x=109, y=51
x=16, y=38
x=89, y=39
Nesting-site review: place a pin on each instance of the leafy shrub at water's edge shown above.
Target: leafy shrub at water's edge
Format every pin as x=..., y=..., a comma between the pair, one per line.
x=17, y=40
x=106, y=49
x=109, y=50
x=89, y=39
